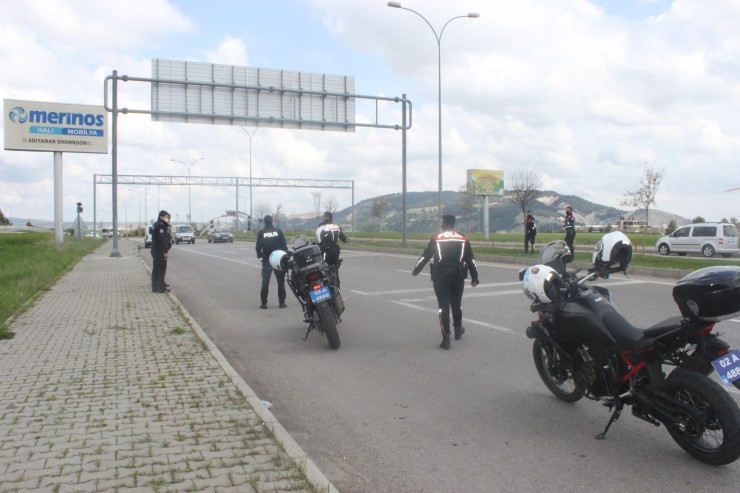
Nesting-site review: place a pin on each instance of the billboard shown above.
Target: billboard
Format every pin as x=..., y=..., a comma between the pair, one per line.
x=41, y=126
x=486, y=181
x=195, y=92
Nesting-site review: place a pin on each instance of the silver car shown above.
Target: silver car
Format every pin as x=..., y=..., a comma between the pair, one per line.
x=704, y=238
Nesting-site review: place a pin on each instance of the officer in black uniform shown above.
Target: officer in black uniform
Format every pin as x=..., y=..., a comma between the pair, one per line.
x=161, y=244
x=327, y=237
x=269, y=239
x=530, y=232
x=453, y=258
x=570, y=229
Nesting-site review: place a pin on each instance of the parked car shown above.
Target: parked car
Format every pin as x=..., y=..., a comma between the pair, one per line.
x=220, y=235
x=148, y=237
x=184, y=234
x=704, y=238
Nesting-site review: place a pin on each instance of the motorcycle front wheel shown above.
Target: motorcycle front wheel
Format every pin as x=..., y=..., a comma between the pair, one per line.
x=555, y=372
x=714, y=439
x=328, y=324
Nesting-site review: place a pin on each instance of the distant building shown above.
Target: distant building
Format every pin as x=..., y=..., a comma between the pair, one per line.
x=631, y=224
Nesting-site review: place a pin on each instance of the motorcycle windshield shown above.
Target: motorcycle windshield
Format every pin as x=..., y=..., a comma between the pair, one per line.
x=553, y=251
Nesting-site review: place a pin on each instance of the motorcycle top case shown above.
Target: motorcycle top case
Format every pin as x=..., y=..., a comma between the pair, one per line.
x=709, y=294
x=307, y=256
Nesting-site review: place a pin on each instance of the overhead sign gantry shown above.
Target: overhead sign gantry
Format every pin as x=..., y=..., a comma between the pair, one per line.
x=194, y=92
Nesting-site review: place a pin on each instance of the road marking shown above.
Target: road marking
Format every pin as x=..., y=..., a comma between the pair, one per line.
x=249, y=263
x=467, y=320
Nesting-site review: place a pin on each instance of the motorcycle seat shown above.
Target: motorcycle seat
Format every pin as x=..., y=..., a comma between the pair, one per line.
x=628, y=335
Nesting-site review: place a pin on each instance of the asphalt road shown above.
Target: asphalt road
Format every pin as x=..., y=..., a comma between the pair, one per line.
x=391, y=412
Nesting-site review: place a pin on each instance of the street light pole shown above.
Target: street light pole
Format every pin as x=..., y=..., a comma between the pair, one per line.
x=249, y=224
x=190, y=211
x=438, y=37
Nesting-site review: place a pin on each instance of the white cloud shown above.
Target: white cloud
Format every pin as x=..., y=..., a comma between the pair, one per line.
x=586, y=93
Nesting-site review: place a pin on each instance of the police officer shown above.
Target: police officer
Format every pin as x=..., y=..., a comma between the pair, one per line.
x=570, y=229
x=161, y=244
x=269, y=239
x=453, y=258
x=328, y=235
x=530, y=229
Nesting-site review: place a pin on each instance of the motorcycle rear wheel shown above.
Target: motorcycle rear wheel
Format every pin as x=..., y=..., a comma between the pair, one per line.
x=717, y=440
x=556, y=376
x=328, y=324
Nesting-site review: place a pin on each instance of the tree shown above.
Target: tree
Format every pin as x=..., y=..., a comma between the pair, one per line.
x=331, y=204
x=698, y=219
x=3, y=220
x=671, y=227
x=524, y=184
x=278, y=214
x=378, y=205
x=468, y=201
x=644, y=196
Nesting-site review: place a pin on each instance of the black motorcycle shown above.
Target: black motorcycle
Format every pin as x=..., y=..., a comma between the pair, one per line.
x=313, y=284
x=583, y=347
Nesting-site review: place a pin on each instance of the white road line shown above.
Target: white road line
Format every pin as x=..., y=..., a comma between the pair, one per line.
x=465, y=320
x=249, y=262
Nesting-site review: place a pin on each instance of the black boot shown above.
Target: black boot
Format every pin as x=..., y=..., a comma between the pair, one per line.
x=445, y=344
x=459, y=331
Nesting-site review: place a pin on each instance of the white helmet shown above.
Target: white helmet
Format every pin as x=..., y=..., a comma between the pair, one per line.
x=279, y=260
x=542, y=283
x=613, y=251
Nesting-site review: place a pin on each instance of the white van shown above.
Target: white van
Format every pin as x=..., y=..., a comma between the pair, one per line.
x=184, y=234
x=148, y=237
x=704, y=238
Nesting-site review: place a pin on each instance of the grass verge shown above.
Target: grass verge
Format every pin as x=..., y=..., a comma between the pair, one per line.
x=584, y=251
x=30, y=263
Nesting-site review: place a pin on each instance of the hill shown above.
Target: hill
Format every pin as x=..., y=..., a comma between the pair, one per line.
x=384, y=213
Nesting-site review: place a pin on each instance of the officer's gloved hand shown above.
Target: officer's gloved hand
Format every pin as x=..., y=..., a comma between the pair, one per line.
x=415, y=272
x=474, y=282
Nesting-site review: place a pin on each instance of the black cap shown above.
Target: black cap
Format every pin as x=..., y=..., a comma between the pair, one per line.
x=268, y=220
x=448, y=221
x=163, y=213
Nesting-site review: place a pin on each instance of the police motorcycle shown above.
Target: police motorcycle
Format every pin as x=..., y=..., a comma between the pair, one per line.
x=583, y=347
x=313, y=284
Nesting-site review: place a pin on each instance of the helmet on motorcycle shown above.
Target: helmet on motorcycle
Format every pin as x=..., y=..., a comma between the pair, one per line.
x=613, y=251
x=279, y=260
x=542, y=283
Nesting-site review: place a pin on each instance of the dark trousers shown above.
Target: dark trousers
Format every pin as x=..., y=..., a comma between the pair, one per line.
x=331, y=257
x=570, y=241
x=159, y=269
x=267, y=271
x=529, y=239
x=449, y=292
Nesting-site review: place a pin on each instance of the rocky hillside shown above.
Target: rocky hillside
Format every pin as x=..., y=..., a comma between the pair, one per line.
x=384, y=213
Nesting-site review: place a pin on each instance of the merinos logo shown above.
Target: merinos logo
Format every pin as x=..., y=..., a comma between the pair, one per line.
x=18, y=115
x=65, y=123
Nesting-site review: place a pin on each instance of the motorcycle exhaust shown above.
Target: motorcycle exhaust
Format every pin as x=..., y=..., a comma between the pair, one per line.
x=338, y=303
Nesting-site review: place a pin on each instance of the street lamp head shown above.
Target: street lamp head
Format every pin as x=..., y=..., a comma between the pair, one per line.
x=473, y=15
x=395, y=5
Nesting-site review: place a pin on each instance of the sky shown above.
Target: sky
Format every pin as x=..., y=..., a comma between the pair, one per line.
x=587, y=92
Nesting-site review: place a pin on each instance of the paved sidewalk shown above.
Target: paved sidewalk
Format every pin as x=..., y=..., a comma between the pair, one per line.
x=108, y=387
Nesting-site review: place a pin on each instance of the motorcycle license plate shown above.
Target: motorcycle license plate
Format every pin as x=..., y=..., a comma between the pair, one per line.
x=320, y=294
x=728, y=366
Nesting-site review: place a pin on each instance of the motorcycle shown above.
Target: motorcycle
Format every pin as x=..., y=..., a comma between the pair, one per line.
x=583, y=347
x=314, y=284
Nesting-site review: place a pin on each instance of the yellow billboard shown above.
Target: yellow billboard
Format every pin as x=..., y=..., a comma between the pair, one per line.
x=486, y=181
